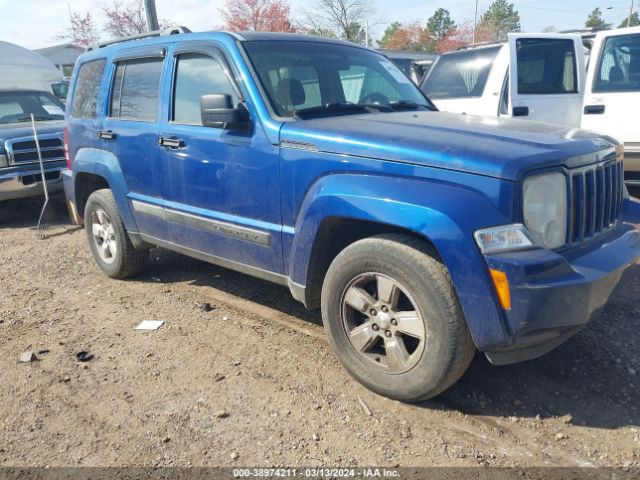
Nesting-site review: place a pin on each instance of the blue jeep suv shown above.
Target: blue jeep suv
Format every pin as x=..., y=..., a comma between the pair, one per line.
x=318, y=165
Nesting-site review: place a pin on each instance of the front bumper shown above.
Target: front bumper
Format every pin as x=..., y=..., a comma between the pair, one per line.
x=553, y=295
x=18, y=182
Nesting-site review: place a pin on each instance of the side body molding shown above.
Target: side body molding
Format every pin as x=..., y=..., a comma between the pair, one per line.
x=444, y=214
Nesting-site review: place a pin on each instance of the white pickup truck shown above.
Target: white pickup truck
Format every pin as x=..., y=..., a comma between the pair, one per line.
x=544, y=77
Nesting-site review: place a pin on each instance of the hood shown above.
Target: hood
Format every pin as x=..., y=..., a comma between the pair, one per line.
x=24, y=129
x=501, y=148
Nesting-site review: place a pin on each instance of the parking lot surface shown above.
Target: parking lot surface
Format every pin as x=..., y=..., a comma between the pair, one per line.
x=240, y=374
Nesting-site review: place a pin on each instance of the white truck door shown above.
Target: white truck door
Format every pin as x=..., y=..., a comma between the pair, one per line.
x=612, y=98
x=546, y=77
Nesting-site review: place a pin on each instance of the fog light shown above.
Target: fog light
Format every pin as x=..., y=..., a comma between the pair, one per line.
x=501, y=283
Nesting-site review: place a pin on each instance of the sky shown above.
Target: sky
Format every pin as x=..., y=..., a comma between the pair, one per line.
x=35, y=23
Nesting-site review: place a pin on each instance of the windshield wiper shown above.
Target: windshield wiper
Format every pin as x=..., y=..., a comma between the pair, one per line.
x=406, y=105
x=331, y=108
x=36, y=118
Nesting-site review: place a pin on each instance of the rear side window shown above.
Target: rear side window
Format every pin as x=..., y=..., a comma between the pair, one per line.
x=136, y=88
x=460, y=74
x=619, y=67
x=546, y=66
x=197, y=75
x=87, y=87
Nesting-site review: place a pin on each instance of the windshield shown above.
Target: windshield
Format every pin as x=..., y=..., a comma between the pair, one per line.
x=17, y=107
x=308, y=80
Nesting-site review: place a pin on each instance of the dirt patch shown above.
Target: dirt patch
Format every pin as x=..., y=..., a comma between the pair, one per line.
x=250, y=380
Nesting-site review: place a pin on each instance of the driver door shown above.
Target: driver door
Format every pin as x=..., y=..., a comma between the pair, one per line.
x=223, y=195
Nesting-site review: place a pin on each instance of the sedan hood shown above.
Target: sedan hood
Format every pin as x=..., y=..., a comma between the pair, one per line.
x=501, y=148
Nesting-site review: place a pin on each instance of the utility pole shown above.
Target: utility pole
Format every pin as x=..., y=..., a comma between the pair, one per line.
x=152, y=15
x=630, y=15
x=366, y=33
x=475, y=23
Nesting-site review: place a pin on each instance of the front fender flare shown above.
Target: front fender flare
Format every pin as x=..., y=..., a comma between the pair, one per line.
x=445, y=215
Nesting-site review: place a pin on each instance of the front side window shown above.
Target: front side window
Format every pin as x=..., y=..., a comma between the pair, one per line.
x=136, y=88
x=197, y=75
x=87, y=87
x=309, y=79
x=546, y=66
x=17, y=107
x=460, y=74
x=619, y=65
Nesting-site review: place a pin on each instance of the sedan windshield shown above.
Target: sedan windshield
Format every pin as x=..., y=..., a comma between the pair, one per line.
x=314, y=79
x=17, y=107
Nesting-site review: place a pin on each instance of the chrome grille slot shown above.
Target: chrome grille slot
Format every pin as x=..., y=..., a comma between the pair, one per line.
x=23, y=150
x=596, y=194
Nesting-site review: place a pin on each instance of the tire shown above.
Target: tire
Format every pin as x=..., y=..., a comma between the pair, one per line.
x=416, y=356
x=108, y=240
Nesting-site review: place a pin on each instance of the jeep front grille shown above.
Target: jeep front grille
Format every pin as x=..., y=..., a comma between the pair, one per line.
x=23, y=150
x=596, y=199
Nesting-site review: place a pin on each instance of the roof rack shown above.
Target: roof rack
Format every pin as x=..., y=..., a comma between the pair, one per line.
x=155, y=33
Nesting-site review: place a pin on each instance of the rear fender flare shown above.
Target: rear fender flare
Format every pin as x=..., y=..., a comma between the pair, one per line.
x=106, y=165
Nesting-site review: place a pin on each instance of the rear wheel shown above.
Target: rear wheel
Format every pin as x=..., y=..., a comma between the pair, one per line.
x=110, y=245
x=393, y=318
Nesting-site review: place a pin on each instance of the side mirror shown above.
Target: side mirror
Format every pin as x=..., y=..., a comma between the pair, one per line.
x=217, y=111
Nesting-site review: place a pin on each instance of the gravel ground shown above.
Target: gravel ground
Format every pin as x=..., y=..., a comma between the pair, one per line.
x=251, y=381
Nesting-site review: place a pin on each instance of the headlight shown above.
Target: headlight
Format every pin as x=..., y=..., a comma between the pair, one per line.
x=545, y=209
x=503, y=239
x=3, y=161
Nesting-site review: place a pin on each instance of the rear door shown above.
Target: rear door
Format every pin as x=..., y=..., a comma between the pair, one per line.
x=612, y=99
x=131, y=131
x=546, y=77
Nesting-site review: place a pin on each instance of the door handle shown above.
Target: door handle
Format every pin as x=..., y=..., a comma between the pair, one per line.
x=594, y=109
x=170, y=142
x=106, y=135
x=520, y=111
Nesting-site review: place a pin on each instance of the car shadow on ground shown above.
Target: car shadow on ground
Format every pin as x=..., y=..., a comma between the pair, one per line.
x=24, y=213
x=591, y=380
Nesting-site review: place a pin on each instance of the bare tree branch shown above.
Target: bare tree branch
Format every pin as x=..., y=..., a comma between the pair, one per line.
x=343, y=18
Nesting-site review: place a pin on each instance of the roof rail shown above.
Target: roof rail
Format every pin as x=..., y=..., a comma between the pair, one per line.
x=481, y=44
x=155, y=33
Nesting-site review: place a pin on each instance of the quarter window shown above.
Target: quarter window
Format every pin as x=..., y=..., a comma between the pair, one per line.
x=619, y=67
x=197, y=75
x=461, y=74
x=136, y=88
x=546, y=66
x=87, y=87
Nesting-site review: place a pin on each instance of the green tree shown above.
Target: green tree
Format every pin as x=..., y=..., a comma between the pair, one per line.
x=500, y=19
x=635, y=21
x=440, y=24
x=596, y=21
x=389, y=33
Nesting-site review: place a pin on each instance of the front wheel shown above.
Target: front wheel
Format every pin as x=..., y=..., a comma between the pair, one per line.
x=393, y=318
x=110, y=245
